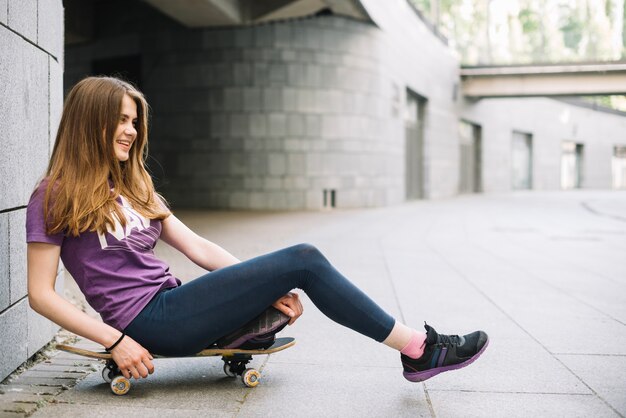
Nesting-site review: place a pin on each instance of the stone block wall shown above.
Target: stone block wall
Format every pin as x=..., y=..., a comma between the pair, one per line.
x=269, y=116
x=417, y=60
x=31, y=71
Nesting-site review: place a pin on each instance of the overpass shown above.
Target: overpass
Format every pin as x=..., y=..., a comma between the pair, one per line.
x=204, y=13
x=583, y=79
x=79, y=14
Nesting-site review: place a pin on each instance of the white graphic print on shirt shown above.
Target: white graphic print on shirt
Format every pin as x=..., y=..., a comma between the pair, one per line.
x=138, y=235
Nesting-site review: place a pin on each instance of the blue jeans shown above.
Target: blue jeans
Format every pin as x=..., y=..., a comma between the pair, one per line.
x=186, y=319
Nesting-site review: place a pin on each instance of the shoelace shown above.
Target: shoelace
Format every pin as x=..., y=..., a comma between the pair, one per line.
x=443, y=339
x=447, y=339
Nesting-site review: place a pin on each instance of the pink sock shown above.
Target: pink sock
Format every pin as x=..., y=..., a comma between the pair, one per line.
x=415, y=347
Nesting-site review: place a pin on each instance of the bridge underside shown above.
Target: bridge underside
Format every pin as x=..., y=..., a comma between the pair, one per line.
x=528, y=81
x=79, y=14
x=204, y=13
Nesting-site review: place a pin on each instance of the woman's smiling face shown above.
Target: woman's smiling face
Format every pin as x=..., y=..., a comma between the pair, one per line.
x=126, y=131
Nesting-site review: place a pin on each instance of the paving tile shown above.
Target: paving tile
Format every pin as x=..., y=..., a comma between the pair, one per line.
x=604, y=374
x=345, y=391
x=461, y=264
x=45, y=381
x=23, y=397
x=18, y=407
x=523, y=405
x=32, y=389
x=106, y=411
x=201, y=380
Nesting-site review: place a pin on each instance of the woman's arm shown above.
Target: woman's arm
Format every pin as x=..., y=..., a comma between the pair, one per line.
x=201, y=251
x=43, y=261
x=211, y=257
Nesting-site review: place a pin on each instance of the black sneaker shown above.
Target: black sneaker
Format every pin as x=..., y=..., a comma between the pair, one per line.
x=260, y=333
x=443, y=353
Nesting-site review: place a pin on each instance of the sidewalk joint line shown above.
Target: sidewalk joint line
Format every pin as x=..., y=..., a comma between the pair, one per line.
x=587, y=206
x=589, y=354
x=504, y=392
x=248, y=392
x=379, y=241
x=480, y=291
x=429, y=402
x=547, y=283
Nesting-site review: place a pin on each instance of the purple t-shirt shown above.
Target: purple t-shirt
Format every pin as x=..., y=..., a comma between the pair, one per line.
x=117, y=271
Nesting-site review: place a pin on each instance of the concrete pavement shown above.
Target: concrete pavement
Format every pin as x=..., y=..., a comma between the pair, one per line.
x=544, y=273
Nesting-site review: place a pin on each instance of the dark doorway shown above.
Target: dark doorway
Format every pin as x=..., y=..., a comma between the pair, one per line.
x=522, y=161
x=571, y=165
x=414, y=116
x=470, y=162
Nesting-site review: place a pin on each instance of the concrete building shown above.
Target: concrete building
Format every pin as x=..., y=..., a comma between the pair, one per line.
x=353, y=110
x=281, y=105
x=31, y=80
x=545, y=144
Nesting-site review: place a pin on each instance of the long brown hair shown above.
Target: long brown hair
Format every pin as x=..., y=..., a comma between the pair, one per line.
x=78, y=196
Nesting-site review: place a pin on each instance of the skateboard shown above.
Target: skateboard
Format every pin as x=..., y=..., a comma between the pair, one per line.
x=235, y=361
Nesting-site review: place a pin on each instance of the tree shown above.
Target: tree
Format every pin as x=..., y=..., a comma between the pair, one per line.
x=523, y=31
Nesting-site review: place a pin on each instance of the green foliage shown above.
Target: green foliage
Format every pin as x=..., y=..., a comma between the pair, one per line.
x=624, y=34
x=422, y=5
x=611, y=102
x=526, y=31
x=571, y=27
x=530, y=21
x=523, y=31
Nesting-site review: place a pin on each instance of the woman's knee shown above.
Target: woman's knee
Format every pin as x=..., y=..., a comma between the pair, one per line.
x=307, y=253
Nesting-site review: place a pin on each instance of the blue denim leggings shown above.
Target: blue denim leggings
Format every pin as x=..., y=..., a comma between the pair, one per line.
x=184, y=320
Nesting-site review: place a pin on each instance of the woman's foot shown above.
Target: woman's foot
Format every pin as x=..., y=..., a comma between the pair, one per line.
x=443, y=353
x=260, y=333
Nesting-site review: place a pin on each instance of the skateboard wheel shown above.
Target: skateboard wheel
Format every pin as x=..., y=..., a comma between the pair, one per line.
x=251, y=378
x=120, y=385
x=107, y=374
x=228, y=371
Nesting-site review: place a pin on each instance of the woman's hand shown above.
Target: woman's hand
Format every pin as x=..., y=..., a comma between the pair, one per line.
x=43, y=262
x=132, y=359
x=290, y=305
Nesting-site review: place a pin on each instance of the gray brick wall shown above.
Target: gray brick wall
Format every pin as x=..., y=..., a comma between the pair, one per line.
x=31, y=41
x=275, y=118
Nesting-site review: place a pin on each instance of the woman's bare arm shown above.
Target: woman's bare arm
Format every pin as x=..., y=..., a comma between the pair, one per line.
x=43, y=261
x=201, y=251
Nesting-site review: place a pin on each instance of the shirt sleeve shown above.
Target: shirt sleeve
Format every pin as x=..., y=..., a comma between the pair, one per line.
x=35, y=223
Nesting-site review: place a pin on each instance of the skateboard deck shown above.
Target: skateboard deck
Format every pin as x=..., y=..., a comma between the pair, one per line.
x=235, y=361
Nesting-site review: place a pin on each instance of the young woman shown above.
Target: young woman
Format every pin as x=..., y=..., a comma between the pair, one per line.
x=97, y=210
